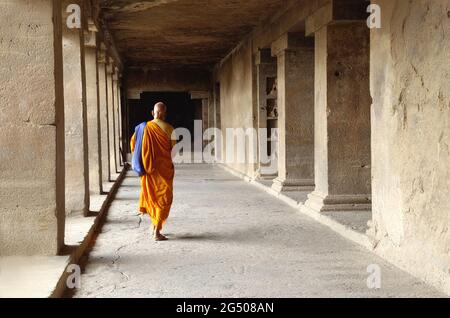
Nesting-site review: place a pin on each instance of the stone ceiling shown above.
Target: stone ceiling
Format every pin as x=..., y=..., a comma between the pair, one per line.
x=174, y=33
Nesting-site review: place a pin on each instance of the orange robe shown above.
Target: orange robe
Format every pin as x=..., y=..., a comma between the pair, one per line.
x=156, y=194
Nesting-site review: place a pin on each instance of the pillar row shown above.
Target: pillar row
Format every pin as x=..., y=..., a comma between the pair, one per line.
x=342, y=118
x=295, y=69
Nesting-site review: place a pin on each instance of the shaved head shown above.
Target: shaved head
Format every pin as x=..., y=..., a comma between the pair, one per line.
x=159, y=111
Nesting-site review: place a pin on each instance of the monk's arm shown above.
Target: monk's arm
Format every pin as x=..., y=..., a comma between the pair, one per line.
x=133, y=142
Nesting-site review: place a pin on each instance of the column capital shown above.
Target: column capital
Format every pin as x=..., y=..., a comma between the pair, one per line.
x=199, y=95
x=134, y=94
x=116, y=75
x=101, y=54
x=90, y=39
x=109, y=69
x=264, y=56
x=110, y=66
x=334, y=12
x=290, y=41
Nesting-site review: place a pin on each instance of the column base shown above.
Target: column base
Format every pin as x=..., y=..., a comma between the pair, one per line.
x=281, y=185
x=338, y=203
x=265, y=177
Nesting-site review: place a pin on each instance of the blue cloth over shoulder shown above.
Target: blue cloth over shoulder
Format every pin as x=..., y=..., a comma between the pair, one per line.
x=136, y=161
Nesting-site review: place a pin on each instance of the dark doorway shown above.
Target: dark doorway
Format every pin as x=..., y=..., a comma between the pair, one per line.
x=182, y=110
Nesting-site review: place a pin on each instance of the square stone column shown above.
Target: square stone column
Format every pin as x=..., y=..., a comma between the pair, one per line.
x=211, y=121
x=116, y=119
x=217, y=121
x=31, y=129
x=77, y=158
x=266, y=69
x=93, y=109
x=295, y=63
x=119, y=121
x=342, y=119
x=110, y=95
x=103, y=103
x=204, y=97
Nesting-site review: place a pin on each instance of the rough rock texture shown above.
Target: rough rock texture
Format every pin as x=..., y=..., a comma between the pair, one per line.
x=103, y=101
x=342, y=118
x=75, y=120
x=166, y=80
x=410, y=87
x=117, y=120
x=188, y=32
x=31, y=129
x=249, y=245
x=236, y=92
x=296, y=113
x=111, y=101
x=93, y=122
x=265, y=69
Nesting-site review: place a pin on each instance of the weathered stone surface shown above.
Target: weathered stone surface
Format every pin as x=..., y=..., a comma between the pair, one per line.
x=342, y=118
x=336, y=11
x=103, y=104
x=295, y=70
x=236, y=92
x=110, y=95
x=116, y=119
x=31, y=129
x=75, y=117
x=93, y=120
x=410, y=87
x=265, y=68
x=119, y=122
x=187, y=32
x=167, y=80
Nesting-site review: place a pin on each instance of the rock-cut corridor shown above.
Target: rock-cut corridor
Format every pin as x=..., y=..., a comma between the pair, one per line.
x=230, y=239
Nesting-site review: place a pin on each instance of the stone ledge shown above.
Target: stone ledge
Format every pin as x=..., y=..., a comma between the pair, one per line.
x=45, y=276
x=30, y=276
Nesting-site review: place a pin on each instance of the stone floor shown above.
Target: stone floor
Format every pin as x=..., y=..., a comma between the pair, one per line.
x=230, y=239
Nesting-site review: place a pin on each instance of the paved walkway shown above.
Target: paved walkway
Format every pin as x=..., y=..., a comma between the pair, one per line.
x=230, y=239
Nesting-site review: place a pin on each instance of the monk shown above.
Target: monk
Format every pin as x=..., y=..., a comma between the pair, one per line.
x=156, y=193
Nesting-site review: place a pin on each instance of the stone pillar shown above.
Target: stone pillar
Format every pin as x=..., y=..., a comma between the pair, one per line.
x=110, y=94
x=103, y=103
x=116, y=119
x=204, y=97
x=266, y=71
x=205, y=112
x=93, y=119
x=295, y=69
x=118, y=122
x=31, y=129
x=211, y=112
x=342, y=113
x=77, y=160
x=217, y=122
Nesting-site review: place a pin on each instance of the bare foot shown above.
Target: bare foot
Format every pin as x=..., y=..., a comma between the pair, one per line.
x=159, y=237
